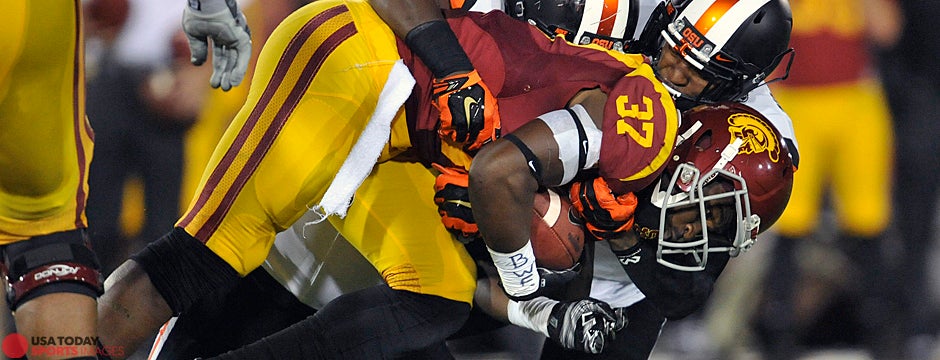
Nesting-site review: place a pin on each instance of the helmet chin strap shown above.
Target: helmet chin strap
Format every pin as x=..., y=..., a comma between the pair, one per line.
x=688, y=133
x=728, y=154
x=660, y=198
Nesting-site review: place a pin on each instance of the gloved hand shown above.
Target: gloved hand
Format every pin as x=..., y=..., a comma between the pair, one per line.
x=453, y=202
x=585, y=325
x=605, y=215
x=224, y=23
x=468, y=109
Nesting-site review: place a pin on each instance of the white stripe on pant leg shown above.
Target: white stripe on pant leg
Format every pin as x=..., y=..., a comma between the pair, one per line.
x=162, y=336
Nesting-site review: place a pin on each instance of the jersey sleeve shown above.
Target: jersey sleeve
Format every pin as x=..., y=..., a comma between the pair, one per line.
x=675, y=293
x=638, y=131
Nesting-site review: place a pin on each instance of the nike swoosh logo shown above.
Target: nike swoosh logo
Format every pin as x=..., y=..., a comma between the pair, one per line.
x=532, y=166
x=468, y=104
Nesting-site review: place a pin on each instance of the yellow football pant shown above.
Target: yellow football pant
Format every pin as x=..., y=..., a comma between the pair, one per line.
x=46, y=142
x=846, y=147
x=315, y=87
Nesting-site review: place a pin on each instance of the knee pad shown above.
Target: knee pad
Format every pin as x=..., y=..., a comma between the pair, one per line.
x=53, y=263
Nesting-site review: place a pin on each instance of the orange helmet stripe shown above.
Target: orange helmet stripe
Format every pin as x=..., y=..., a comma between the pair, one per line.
x=608, y=17
x=714, y=12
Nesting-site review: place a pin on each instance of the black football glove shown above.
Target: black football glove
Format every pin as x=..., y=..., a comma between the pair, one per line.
x=585, y=325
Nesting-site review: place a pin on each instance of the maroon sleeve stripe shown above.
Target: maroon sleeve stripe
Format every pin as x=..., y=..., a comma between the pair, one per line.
x=78, y=114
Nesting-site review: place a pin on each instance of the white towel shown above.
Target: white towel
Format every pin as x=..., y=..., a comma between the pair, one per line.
x=368, y=147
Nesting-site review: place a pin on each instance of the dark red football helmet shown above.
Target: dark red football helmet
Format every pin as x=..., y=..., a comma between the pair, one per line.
x=727, y=156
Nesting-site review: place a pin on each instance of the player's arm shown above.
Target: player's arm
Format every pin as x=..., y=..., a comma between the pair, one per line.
x=469, y=115
x=675, y=293
x=505, y=175
x=575, y=322
x=404, y=15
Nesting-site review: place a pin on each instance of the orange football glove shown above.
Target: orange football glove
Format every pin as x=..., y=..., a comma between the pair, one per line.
x=468, y=110
x=605, y=215
x=453, y=202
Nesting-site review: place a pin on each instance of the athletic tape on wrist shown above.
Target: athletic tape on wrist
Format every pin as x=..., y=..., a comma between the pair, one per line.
x=531, y=314
x=517, y=270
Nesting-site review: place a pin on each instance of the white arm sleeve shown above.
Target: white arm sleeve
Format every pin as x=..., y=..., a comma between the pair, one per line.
x=566, y=125
x=532, y=314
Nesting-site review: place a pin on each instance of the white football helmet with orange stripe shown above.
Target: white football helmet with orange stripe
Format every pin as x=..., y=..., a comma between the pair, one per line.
x=734, y=44
x=609, y=23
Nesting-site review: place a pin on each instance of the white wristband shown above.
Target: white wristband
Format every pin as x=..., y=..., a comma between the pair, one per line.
x=517, y=270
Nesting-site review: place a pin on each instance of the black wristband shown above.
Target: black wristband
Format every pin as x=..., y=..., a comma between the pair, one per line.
x=437, y=46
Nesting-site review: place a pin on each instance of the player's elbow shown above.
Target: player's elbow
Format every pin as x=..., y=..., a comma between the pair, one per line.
x=501, y=166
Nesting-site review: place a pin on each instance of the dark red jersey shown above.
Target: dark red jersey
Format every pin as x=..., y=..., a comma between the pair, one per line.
x=531, y=74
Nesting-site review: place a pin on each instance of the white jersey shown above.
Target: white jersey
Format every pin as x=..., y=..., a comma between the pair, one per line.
x=611, y=283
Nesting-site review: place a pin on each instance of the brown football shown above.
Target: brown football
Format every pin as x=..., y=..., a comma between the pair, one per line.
x=556, y=240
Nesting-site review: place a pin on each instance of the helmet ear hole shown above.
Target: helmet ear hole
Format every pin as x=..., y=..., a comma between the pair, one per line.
x=705, y=141
x=759, y=17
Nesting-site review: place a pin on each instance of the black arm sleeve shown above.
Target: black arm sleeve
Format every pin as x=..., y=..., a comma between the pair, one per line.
x=675, y=293
x=436, y=45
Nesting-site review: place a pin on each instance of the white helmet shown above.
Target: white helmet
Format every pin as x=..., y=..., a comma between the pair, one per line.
x=609, y=23
x=734, y=44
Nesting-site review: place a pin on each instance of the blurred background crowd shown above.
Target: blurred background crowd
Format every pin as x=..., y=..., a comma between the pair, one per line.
x=850, y=271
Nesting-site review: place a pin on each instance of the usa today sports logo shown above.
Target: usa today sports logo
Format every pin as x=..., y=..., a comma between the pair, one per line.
x=16, y=346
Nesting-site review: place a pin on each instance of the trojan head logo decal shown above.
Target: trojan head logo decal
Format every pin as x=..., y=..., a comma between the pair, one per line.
x=757, y=135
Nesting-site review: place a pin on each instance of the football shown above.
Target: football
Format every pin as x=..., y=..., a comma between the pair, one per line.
x=556, y=240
